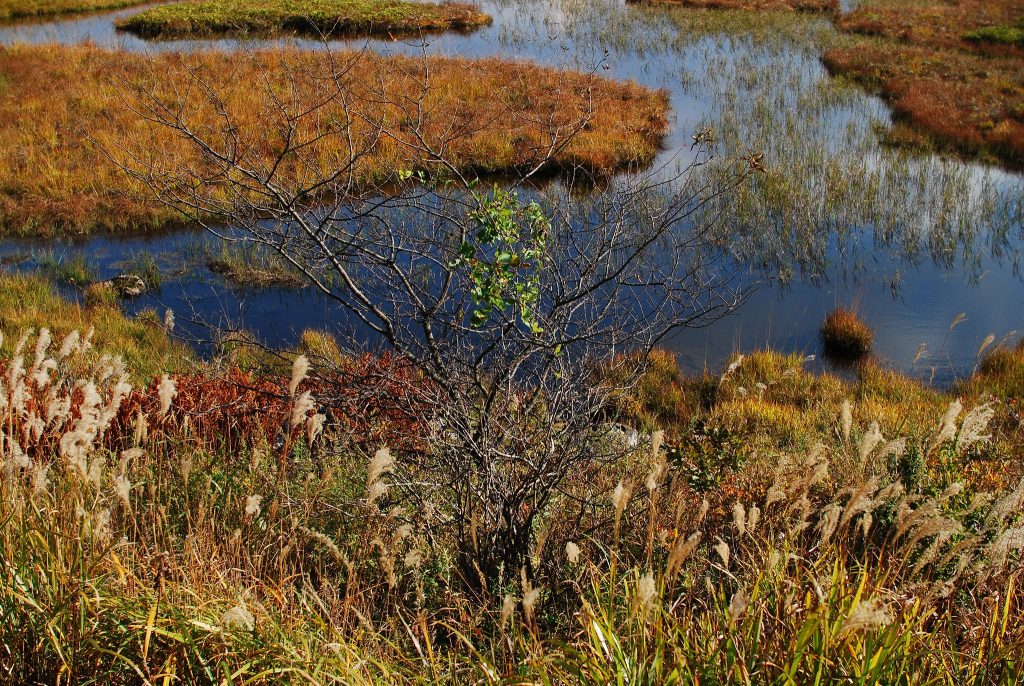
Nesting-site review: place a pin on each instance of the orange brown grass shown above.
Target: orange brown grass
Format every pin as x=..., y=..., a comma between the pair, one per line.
x=19, y=9
x=958, y=101
x=941, y=25
x=844, y=335
x=758, y=5
x=62, y=107
x=948, y=88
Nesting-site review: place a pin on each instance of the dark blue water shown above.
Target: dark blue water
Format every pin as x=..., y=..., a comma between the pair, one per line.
x=911, y=241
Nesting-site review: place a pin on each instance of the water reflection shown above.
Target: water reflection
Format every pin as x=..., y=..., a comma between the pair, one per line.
x=836, y=218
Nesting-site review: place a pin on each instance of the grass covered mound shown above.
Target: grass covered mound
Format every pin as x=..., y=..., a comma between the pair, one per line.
x=60, y=106
x=317, y=17
x=952, y=72
x=19, y=9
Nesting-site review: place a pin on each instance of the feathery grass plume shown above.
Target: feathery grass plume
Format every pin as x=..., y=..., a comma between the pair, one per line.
x=947, y=425
x=722, y=548
x=658, y=465
x=867, y=615
x=869, y=441
x=238, y=618
x=733, y=366
x=989, y=340
x=69, y=345
x=169, y=321
x=861, y=500
x=253, y=505
x=1005, y=506
x=387, y=561
x=300, y=367
x=140, y=428
x=572, y=553
x=739, y=518
x=301, y=407
x=828, y=522
x=413, y=559
x=682, y=550
x=315, y=427
x=42, y=346
x=123, y=489
x=703, y=512
x=326, y=541
x=846, y=420
x=531, y=596
x=646, y=592
x=972, y=429
x=165, y=391
x=508, y=609
x=753, y=517
x=620, y=497
x=381, y=463
x=737, y=606
x=1003, y=546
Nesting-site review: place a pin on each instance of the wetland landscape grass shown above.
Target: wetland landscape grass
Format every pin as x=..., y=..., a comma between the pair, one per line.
x=320, y=18
x=69, y=122
x=949, y=83
x=20, y=9
x=872, y=524
x=254, y=517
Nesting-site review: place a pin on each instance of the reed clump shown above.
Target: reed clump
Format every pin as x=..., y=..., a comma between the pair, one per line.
x=844, y=335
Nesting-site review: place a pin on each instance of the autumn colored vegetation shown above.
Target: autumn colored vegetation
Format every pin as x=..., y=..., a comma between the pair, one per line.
x=844, y=335
x=19, y=9
x=224, y=522
x=321, y=18
x=758, y=5
x=953, y=72
x=69, y=121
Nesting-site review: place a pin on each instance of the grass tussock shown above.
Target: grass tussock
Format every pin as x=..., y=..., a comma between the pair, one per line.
x=138, y=547
x=952, y=72
x=19, y=9
x=844, y=335
x=62, y=105
x=252, y=268
x=197, y=18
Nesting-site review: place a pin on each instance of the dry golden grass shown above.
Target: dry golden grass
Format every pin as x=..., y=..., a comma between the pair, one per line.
x=489, y=116
x=757, y=5
x=945, y=88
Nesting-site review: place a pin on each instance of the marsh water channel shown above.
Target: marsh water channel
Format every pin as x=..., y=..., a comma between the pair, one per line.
x=912, y=241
